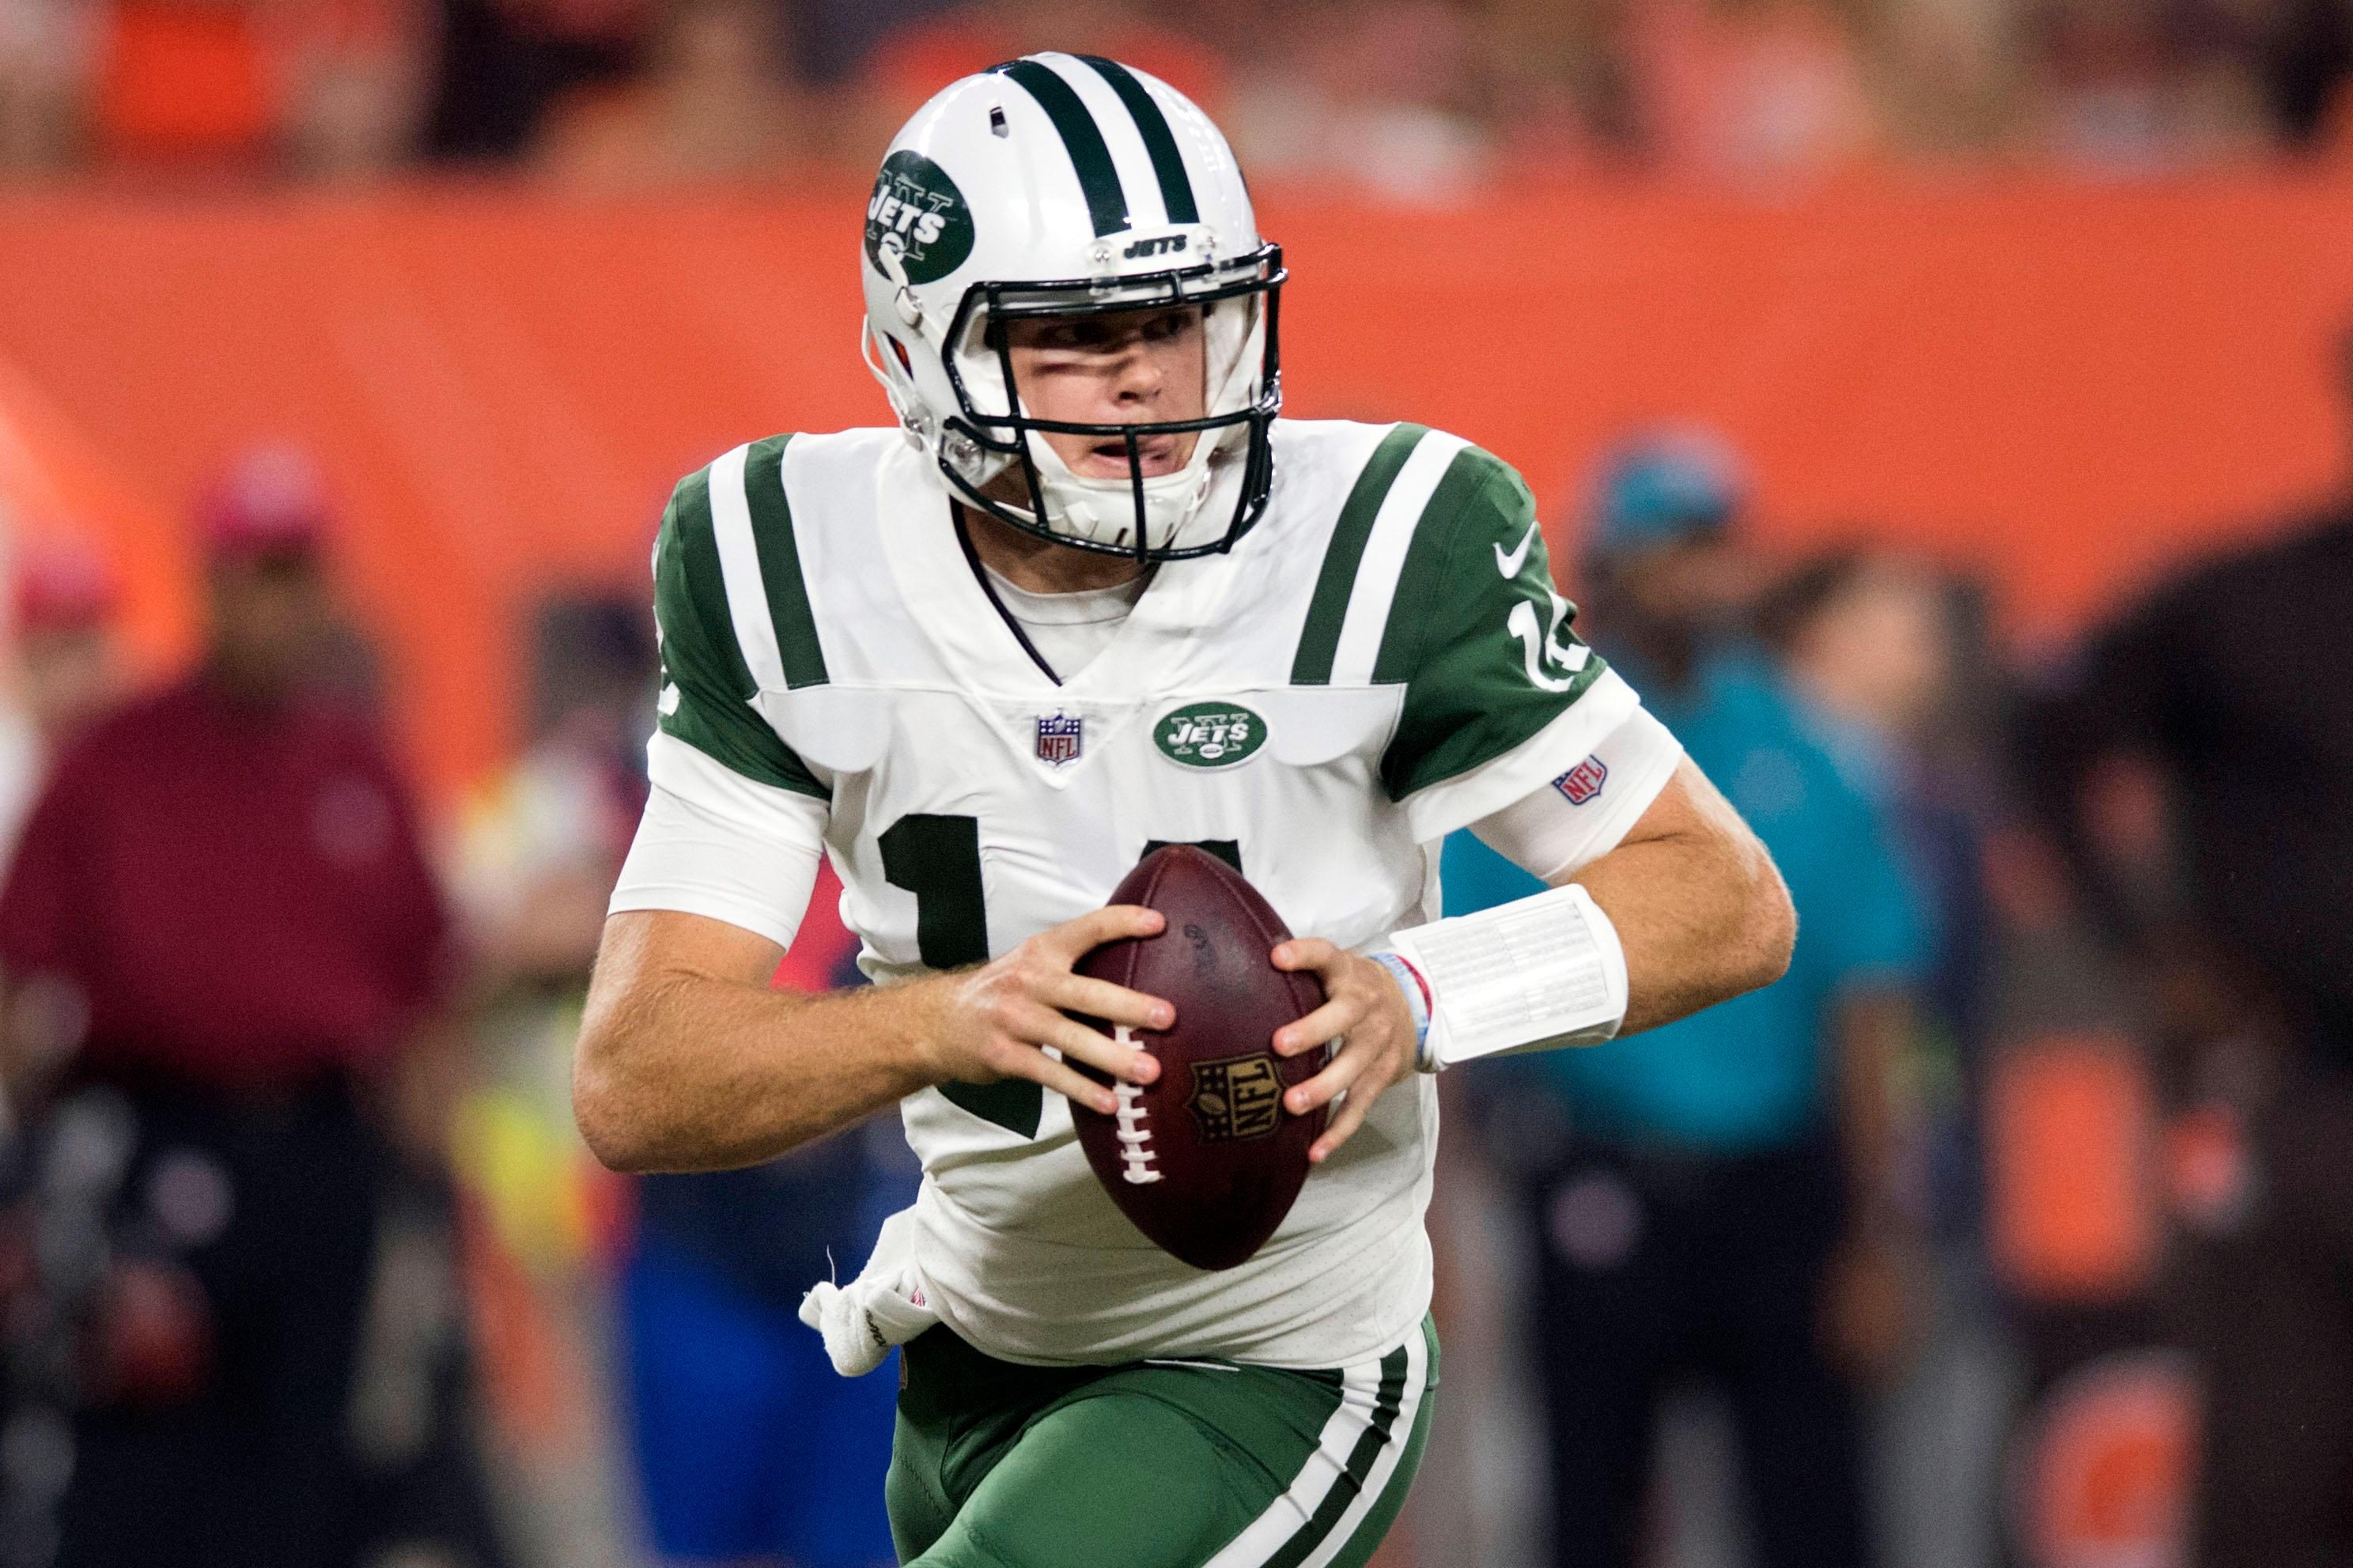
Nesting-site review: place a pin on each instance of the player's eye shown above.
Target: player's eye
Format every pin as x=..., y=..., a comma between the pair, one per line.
x=1080, y=334
x=1170, y=324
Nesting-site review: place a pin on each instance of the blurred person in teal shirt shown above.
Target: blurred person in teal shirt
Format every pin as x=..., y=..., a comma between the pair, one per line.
x=1715, y=1200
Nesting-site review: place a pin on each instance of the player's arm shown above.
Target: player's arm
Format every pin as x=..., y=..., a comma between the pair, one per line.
x=687, y=1061
x=1689, y=899
x=1662, y=901
x=1698, y=907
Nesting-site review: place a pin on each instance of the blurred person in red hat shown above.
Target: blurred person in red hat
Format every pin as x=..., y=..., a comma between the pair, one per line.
x=220, y=920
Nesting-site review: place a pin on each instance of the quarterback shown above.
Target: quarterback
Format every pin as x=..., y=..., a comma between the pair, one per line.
x=1091, y=594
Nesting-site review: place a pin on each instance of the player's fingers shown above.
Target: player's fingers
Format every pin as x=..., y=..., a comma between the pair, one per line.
x=1073, y=938
x=1075, y=1040
x=1344, y=1123
x=1329, y=1022
x=1101, y=999
x=1306, y=952
x=1014, y=1056
x=1072, y=1084
x=1348, y=1064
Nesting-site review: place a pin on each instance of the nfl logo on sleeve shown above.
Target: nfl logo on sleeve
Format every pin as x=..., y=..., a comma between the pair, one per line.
x=1580, y=784
x=1059, y=739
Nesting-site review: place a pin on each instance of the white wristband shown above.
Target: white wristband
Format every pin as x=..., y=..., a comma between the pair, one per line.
x=1543, y=971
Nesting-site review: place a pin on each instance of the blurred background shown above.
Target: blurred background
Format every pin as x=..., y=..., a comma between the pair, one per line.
x=1943, y=407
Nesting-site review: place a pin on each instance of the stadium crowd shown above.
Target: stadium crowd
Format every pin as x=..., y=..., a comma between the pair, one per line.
x=1955, y=1350
x=1416, y=99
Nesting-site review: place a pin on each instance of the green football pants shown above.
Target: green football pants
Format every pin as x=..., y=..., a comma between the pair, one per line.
x=1171, y=1463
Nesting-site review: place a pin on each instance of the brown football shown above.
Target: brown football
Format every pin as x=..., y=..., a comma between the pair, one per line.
x=1205, y=1160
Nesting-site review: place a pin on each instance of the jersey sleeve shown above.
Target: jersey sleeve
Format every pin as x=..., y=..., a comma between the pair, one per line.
x=706, y=683
x=1501, y=695
x=1571, y=821
x=716, y=843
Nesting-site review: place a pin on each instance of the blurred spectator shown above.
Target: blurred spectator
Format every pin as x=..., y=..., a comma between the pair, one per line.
x=45, y=55
x=64, y=668
x=536, y=856
x=1949, y=76
x=2308, y=71
x=541, y=846
x=219, y=922
x=749, y=1448
x=713, y=104
x=2132, y=87
x=1716, y=1199
x=504, y=62
x=1875, y=648
x=1892, y=664
x=1750, y=88
x=356, y=73
x=2200, y=761
x=1390, y=100
x=1556, y=84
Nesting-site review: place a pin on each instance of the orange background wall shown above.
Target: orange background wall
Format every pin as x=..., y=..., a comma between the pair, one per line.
x=2065, y=386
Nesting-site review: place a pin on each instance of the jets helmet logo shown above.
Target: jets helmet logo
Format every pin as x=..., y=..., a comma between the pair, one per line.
x=917, y=215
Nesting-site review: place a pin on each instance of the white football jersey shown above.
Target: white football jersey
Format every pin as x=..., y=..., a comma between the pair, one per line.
x=1380, y=661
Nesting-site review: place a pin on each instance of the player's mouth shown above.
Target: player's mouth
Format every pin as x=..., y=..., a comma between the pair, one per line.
x=1155, y=455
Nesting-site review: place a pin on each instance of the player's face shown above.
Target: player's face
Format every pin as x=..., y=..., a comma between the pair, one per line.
x=1136, y=367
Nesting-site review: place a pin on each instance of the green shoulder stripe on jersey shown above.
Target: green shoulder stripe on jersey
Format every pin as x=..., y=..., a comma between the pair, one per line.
x=706, y=686
x=1327, y=610
x=780, y=564
x=691, y=587
x=1476, y=631
x=1167, y=163
x=1360, y=1464
x=1410, y=625
x=1098, y=178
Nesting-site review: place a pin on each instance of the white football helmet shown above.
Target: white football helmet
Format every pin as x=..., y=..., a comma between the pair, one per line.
x=1058, y=186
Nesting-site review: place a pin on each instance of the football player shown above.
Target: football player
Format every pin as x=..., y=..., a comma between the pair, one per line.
x=1088, y=595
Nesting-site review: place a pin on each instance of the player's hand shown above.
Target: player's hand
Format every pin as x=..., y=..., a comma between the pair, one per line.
x=993, y=1021
x=1363, y=1010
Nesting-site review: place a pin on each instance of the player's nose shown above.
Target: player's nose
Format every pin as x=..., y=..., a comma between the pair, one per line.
x=1139, y=378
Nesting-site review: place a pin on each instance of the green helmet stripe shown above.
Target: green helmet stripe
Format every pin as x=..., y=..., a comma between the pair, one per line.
x=1106, y=200
x=1167, y=163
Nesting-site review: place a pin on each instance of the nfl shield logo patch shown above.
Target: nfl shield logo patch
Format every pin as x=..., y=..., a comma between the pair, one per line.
x=1583, y=781
x=1059, y=739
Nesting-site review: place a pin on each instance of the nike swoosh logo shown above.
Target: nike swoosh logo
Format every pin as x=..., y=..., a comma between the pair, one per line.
x=1509, y=565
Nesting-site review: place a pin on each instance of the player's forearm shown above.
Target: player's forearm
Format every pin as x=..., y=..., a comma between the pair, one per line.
x=1701, y=913
x=680, y=1070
